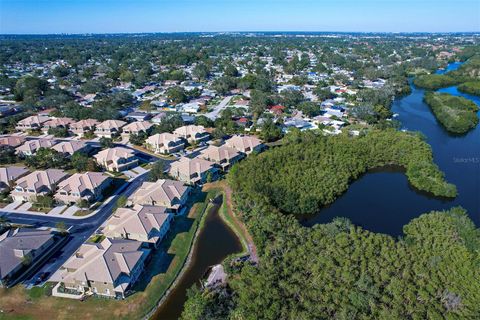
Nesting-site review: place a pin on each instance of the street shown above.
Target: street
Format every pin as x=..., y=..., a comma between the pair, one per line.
x=218, y=108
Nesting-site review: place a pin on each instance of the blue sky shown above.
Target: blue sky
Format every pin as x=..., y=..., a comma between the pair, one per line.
x=109, y=16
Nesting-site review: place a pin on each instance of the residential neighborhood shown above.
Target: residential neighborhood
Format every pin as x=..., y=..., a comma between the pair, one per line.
x=136, y=165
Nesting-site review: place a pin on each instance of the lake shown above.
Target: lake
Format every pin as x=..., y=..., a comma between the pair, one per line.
x=383, y=201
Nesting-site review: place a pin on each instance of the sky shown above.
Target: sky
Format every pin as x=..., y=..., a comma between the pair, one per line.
x=132, y=16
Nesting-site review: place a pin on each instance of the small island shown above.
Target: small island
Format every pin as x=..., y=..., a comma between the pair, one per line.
x=456, y=114
x=434, y=81
x=471, y=87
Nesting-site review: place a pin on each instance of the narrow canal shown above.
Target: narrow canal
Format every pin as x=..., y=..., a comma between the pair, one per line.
x=383, y=201
x=215, y=242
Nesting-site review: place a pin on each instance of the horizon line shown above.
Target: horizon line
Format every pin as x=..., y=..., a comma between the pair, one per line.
x=238, y=31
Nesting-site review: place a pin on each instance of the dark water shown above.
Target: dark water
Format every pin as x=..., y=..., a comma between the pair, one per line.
x=215, y=242
x=384, y=202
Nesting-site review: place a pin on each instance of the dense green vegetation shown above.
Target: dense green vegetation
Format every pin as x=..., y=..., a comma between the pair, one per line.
x=472, y=87
x=338, y=270
x=456, y=114
x=311, y=171
x=434, y=81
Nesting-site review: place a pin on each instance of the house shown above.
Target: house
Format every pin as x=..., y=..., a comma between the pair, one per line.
x=82, y=186
x=223, y=156
x=164, y=192
x=192, y=133
x=12, y=141
x=68, y=148
x=108, y=268
x=37, y=183
x=20, y=249
x=31, y=123
x=277, y=109
x=116, y=159
x=83, y=126
x=138, y=116
x=191, y=107
x=148, y=224
x=245, y=144
x=136, y=127
x=193, y=171
x=29, y=147
x=164, y=143
x=9, y=175
x=109, y=128
x=57, y=123
x=159, y=117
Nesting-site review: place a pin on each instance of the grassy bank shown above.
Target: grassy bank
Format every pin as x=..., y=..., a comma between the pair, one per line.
x=456, y=114
x=160, y=273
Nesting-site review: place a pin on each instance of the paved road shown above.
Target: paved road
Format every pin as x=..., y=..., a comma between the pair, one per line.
x=217, y=109
x=80, y=230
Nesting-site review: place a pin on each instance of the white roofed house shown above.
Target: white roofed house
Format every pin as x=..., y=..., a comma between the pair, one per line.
x=164, y=143
x=245, y=144
x=136, y=127
x=29, y=147
x=148, y=224
x=82, y=186
x=192, y=133
x=40, y=182
x=57, y=123
x=193, y=171
x=31, y=123
x=108, y=268
x=9, y=175
x=116, y=159
x=83, y=126
x=164, y=192
x=223, y=156
x=68, y=148
x=109, y=128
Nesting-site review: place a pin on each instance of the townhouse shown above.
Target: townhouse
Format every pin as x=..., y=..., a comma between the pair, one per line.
x=12, y=141
x=193, y=171
x=57, y=123
x=108, y=268
x=116, y=159
x=164, y=192
x=223, y=156
x=164, y=143
x=148, y=224
x=245, y=144
x=9, y=175
x=37, y=183
x=83, y=126
x=30, y=147
x=31, y=123
x=136, y=128
x=192, y=133
x=68, y=148
x=20, y=249
x=87, y=186
x=109, y=128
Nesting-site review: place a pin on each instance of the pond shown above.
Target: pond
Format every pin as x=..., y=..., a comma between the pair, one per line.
x=383, y=201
